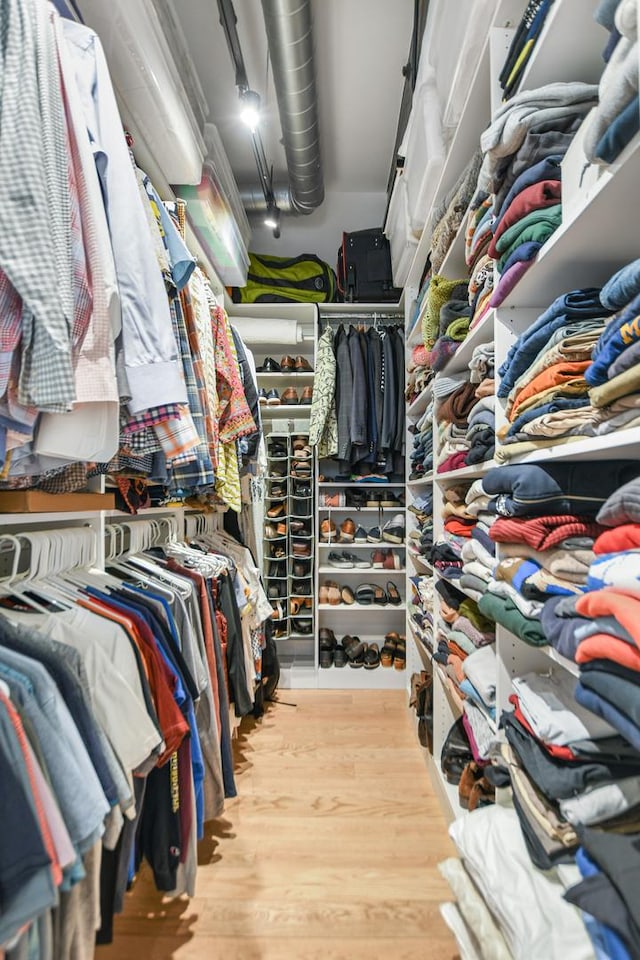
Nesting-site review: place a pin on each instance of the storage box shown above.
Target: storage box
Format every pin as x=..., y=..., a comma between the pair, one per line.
x=36, y=501
x=425, y=154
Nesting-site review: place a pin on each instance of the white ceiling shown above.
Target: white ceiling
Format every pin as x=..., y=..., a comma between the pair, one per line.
x=361, y=47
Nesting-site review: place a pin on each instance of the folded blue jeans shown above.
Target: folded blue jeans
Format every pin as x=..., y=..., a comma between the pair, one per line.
x=622, y=287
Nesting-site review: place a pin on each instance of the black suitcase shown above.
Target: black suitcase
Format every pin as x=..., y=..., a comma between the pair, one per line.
x=364, y=268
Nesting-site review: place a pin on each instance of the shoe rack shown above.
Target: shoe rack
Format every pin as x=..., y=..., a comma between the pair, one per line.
x=274, y=331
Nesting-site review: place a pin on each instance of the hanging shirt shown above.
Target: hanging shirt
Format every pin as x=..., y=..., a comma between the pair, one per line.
x=150, y=350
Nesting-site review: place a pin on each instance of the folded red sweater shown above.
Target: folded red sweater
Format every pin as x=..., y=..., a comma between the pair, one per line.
x=543, y=533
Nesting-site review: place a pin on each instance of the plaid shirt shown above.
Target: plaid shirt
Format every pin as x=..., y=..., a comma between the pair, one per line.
x=35, y=235
x=197, y=474
x=151, y=417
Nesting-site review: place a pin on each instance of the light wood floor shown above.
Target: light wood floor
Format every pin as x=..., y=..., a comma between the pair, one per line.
x=328, y=853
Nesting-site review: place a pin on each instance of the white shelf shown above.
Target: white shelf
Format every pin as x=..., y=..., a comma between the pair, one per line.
x=570, y=665
x=459, y=362
x=586, y=250
x=361, y=571
x=276, y=377
x=421, y=481
x=355, y=678
x=420, y=562
x=554, y=59
x=467, y=473
x=421, y=402
x=384, y=545
x=454, y=265
x=373, y=484
x=284, y=409
x=356, y=511
x=363, y=607
x=618, y=445
x=415, y=335
x=453, y=583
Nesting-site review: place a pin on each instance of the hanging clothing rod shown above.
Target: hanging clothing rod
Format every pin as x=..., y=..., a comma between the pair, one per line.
x=390, y=318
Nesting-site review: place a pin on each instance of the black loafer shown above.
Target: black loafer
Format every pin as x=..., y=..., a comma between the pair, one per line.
x=270, y=366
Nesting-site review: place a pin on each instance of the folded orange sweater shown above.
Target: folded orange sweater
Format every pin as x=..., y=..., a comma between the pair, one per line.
x=551, y=377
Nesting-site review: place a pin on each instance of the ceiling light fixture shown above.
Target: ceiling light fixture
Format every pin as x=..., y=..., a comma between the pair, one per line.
x=272, y=219
x=250, y=109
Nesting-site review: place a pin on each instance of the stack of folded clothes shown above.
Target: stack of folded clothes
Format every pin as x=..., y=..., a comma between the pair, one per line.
x=421, y=537
x=452, y=415
x=616, y=119
x=522, y=149
x=449, y=214
x=440, y=293
x=543, y=378
x=544, y=521
x=421, y=456
x=420, y=373
x=614, y=375
x=420, y=609
x=569, y=769
x=481, y=422
x=466, y=649
x=514, y=910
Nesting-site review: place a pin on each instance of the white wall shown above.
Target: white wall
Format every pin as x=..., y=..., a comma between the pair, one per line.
x=321, y=231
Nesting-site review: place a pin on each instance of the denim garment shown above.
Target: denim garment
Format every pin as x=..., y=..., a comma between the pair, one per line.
x=621, y=332
x=576, y=305
x=627, y=359
x=612, y=944
x=620, y=133
x=622, y=287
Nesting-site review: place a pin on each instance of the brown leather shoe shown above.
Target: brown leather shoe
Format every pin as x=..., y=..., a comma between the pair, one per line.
x=307, y=395
x=301, y=550
x=287, y=363
x=276, y=511
x=347, y=531
x=328, y=531
x=303, y=365
x=290, y=395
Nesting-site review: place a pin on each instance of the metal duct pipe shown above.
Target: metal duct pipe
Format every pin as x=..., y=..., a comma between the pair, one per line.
x=289, y=34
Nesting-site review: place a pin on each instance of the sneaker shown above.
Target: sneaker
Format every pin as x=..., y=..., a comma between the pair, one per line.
x=262, y=395
x=360, y=535
x=273, y=398
x=340, y=560
x=394, y=529
x=374, y=498
x=357, y=560
x=374, y=535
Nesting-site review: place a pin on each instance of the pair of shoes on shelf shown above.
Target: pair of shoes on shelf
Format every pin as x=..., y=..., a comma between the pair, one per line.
x=347, y=561
x=368, y=593
x=299, y=604
x=394, y=651
x=287, y=365
x=383, y=499
x=289, y=397
x=350, y=650
x=386, y=560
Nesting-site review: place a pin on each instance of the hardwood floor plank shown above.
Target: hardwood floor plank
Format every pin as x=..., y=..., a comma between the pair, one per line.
x=329, y=852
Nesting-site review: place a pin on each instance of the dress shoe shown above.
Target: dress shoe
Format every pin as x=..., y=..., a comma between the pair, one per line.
x=287, y=363
x=269, y=366
x=307, y=395
x=347, y=531
x=290, y=396
x=328, y=532
x=273, y=398
x=277, y=511
x=302, y=365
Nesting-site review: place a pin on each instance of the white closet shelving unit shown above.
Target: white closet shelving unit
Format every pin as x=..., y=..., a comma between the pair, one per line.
x=598, y=236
